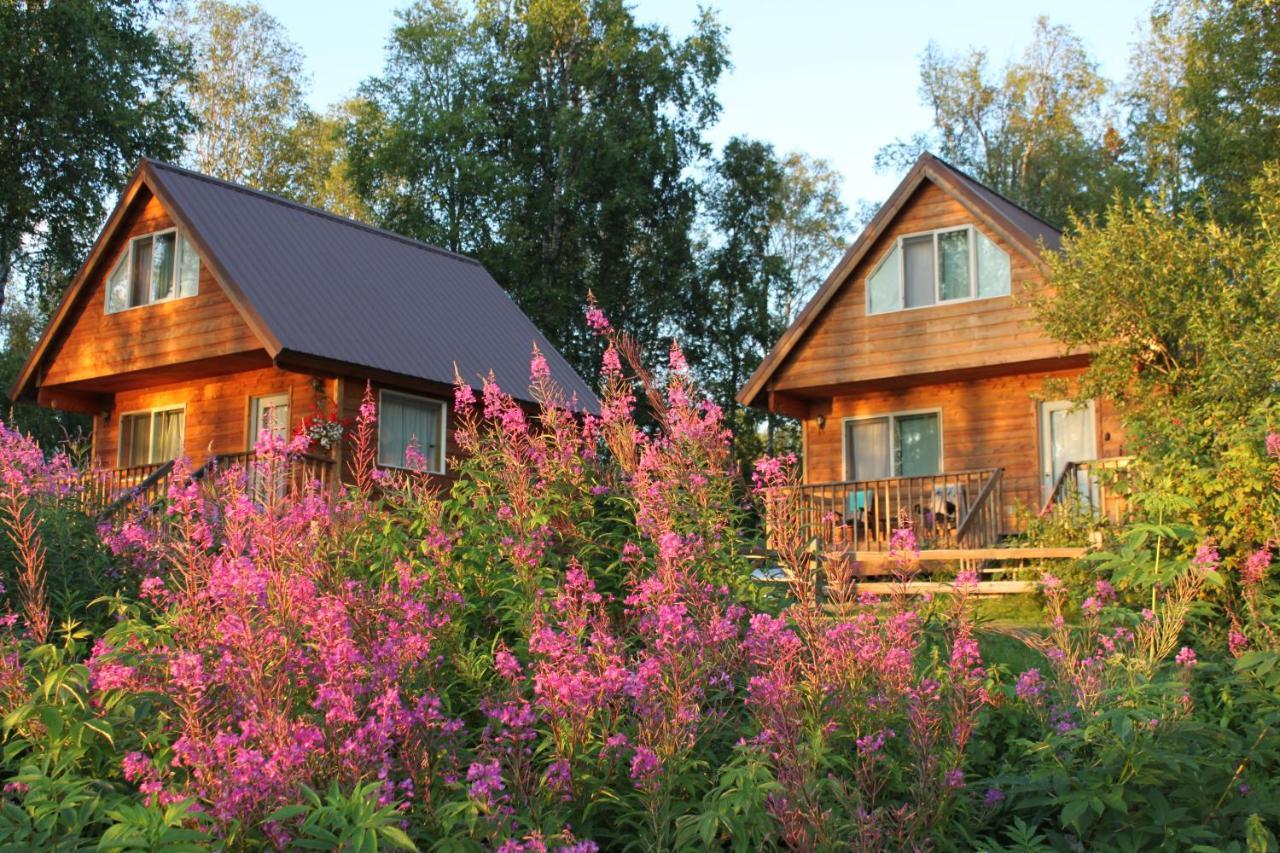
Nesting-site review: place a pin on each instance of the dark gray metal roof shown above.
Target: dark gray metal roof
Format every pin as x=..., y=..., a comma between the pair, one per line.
x=1040, y=231
x=333, y=288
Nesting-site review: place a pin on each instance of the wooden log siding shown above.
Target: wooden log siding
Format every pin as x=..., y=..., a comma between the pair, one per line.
x=217, y=410
x=846, y=345
x=986, y=423
x=98, y=344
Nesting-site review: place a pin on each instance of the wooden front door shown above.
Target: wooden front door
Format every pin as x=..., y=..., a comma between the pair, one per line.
x=1068, y=433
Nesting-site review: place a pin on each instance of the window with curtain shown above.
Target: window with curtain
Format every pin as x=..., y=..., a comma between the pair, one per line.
x=941, y=266
x=898, y=445
x=155, y=268
x=147, y=438
x=405, y=421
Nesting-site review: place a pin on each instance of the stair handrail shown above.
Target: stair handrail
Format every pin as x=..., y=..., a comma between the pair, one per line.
x=979, y=504
x=132, y=494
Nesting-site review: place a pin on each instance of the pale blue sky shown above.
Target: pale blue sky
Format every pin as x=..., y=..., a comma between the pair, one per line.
x=837, y=80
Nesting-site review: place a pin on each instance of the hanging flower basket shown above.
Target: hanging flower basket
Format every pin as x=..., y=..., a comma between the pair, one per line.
x=325, y=431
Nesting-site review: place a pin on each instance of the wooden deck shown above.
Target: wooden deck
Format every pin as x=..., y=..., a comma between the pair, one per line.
x=114, y=495
x=1091, y=489
x=953, y=510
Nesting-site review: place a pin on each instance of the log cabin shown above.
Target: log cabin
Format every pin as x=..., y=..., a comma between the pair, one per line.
x=918, y=374
x=207, y=312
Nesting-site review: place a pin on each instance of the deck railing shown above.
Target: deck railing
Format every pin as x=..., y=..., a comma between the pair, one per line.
x=1091, y=488
x=954, y=510
x=120, y=493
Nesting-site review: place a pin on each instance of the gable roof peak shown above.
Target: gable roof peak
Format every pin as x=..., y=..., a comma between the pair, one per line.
x=1025, y=231
x=947, y=164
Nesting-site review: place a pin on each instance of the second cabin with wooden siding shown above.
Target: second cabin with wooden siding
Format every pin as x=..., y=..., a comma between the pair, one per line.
x=919, y=373
x=208, y=313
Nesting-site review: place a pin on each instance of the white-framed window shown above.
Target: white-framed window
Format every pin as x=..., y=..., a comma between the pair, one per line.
x=155, y=267
x=931, y=267
x=152, y=436
x=897, y=444
x=406, y=420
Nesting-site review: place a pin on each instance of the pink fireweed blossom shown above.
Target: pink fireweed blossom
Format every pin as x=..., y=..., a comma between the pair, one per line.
x=1206, y=558
x=1273, y=445
x=645, y=766
x=870, y=745
x=676, y=359
x=596, y=319
x=1253, y=571
x=486, y=781
x=1186, y=657
x=1031, y=686
x=538, y=368
x=611, y=364
x=1106, y=592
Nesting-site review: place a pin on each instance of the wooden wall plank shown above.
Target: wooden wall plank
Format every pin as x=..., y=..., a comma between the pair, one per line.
x=96, y=344
x=986, y=423
x=217, y=410
x=846, y=345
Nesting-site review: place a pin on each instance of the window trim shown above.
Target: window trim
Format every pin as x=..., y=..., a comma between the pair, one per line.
x=937, y=271
x=893, y=449
x=126, y=260
x=442, y=456
x=176, y=407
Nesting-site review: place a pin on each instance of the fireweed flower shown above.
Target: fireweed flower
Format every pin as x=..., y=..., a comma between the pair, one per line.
x=486, y=781
x=645, y=766
x=1253, y=571
x=1186, y=657
x=1206, y=558
x=596, y=320
x=1030, y=686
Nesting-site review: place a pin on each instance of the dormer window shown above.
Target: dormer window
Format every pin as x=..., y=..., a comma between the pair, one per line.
x=154, y=268
x=948, y=265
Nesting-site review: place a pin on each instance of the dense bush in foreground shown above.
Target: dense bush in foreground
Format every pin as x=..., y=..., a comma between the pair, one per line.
x=565, y=651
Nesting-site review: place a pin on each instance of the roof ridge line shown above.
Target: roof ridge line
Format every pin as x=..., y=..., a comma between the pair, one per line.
x=306, y=208
x=962, y=173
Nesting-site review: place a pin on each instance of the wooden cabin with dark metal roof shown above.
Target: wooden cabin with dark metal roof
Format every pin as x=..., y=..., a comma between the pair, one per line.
x=207, y=311
x=917, y=372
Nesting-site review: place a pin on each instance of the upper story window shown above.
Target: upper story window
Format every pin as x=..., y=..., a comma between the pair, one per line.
x=154, y=268
x=948, y=265
x=408, y=421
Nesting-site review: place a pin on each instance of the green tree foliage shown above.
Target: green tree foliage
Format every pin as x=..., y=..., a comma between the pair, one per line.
x=20, y=329
x=773, y=227
x=809, y=234
x=321, y=174
x=730, y=324
x=1204, y=99
x=1038, y=130
x=1180, y=314
x=88, y=89
x=247, y=92
x=1232, y=94
x=552, y=139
